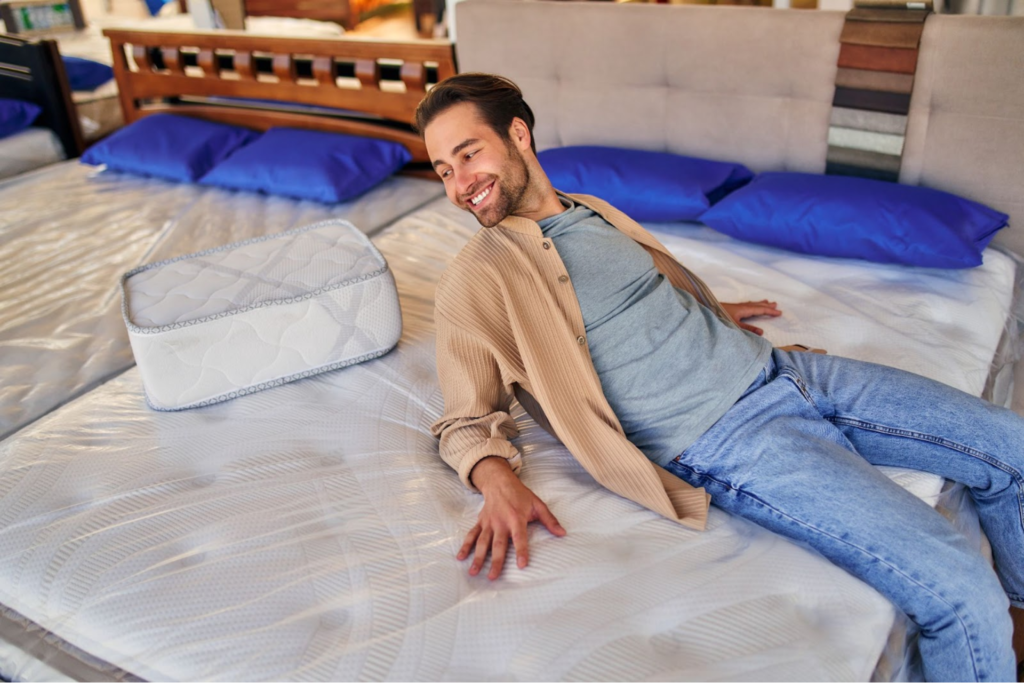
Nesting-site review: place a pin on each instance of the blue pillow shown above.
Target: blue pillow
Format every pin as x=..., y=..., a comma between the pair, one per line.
x=16, y=116
x=858, y=218
x=85, y=74
x=307, y=164
x=647, y=186
x=168, y=146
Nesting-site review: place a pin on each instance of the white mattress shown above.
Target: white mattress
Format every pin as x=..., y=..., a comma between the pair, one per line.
x=28, y=150
x=61, y=331
x=309, y=531
x=253, y=315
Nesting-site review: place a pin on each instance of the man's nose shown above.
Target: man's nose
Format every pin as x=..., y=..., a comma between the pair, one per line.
x=463, y=182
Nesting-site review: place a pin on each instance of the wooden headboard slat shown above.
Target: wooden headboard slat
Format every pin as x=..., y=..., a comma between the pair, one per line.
x=351, y=47
x=389, y=105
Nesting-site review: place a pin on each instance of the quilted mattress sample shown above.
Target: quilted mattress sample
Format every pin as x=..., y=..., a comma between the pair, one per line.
x=61, y=329
x=246, y=317
x=309, y=531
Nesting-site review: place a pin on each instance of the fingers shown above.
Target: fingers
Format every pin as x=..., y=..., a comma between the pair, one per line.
x=521, y=542
x=751, y=309
x=751, y=328
x=502, y=518
x=483, y=544
x=548, y=520
x=469, y=542
x=499, y=547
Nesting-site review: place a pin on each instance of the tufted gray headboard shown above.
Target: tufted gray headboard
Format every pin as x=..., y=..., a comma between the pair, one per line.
x=754, y=85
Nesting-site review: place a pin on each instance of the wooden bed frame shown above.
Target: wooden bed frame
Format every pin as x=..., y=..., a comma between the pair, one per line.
x=359, y=86
x=32, y=70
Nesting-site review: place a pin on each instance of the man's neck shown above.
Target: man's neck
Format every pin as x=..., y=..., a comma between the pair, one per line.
x=546, y=205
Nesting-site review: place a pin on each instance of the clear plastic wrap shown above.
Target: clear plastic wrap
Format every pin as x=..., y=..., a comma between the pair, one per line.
x=28, y=150
x=1005, y=384
x=309, y=531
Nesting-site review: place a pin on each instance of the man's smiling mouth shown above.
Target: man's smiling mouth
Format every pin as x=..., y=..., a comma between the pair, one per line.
x=475, y=201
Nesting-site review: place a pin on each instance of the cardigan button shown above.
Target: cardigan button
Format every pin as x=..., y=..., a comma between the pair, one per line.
x=547, y=245
x=563, y=278
x=581, y=340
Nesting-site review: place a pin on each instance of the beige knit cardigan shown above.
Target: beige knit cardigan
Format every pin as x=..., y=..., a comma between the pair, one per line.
x=508, y=321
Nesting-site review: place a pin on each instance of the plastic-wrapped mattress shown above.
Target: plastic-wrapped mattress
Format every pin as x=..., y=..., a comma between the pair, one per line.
x=28, y=150
x=68, y=233
x=250, y=316
x=309, y=531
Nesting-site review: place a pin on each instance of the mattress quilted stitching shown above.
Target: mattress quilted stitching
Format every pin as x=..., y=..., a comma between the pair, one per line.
x=257, y=314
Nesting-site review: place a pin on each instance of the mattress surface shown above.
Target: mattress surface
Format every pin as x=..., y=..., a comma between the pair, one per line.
x=28, y=150
x=309, y=531
x=61, y=331
x=252, y=315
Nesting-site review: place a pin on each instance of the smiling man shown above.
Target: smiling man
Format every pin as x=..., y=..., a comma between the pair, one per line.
x=668, y=399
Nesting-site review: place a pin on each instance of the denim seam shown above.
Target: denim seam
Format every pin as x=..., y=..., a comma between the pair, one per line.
x=946, y=443
x=793, y=377
x=895, y=570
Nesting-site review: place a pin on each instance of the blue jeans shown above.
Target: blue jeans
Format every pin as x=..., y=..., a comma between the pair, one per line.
x=796, y=455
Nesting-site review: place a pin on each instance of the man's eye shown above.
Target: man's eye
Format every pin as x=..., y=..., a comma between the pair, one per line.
x=470, y=156
x=445, y=174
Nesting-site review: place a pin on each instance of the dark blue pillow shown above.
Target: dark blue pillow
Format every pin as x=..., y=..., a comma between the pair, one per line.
x=169, y=146
x=647, y=186
x=16, y=116
x=858, y=218
x=307, y=164
x=85, y=74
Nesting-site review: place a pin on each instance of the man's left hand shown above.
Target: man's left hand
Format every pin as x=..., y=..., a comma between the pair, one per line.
x=751, y=309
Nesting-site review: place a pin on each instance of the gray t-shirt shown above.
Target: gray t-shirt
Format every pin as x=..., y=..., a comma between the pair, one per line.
x=668, y=366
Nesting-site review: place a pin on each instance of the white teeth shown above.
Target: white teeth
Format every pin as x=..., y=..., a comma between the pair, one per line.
x=480, y=197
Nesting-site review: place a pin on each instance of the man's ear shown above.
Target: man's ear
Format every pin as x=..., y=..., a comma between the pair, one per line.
x=519, y=133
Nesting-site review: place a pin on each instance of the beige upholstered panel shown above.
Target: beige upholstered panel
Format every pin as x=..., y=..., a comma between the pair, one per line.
x=966, y=128
x=754, y=85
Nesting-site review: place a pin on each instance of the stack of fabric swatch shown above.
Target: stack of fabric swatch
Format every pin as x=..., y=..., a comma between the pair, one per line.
x=877, y=62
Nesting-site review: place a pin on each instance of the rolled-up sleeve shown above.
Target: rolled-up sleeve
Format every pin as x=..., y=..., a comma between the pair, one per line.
x=476, y=423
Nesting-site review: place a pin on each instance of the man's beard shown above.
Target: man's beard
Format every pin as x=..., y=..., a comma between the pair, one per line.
x=511, y=185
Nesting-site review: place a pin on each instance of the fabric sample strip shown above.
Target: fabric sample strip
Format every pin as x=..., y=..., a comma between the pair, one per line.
x=909, y=16
x=854, y=162
x=882, y=34
x=865, y=140
x=894, y=59
x=872, y=100
x=874, y=121
x=863, y=159
x=884, y=81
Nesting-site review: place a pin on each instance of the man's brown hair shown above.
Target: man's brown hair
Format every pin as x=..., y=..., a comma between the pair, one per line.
x=497, y=99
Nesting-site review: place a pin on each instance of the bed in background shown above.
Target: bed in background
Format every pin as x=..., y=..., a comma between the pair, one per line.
x=308, y=532
x=100, y=110
x=32, y=71
x=60, y=327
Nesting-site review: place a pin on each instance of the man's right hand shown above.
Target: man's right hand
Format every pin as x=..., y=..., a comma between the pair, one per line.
x=508, y=507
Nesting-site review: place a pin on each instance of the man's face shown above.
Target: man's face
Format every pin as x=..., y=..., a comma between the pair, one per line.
x=482, y=173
